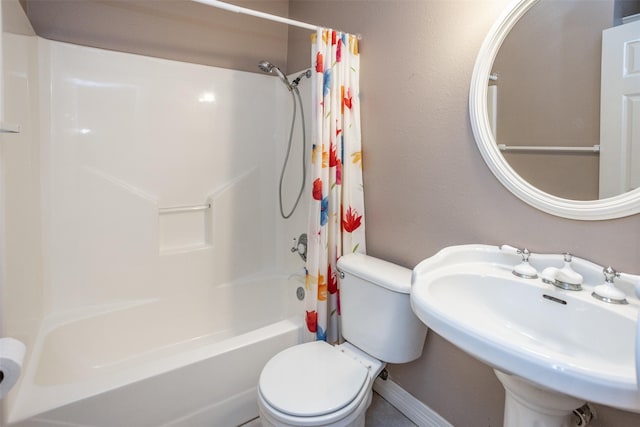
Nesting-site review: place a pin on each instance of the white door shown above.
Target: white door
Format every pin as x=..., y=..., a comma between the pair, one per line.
x=620, y=110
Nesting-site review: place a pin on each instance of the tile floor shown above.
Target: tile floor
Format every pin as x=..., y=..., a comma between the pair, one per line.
x=382, y=414
x=379, y=414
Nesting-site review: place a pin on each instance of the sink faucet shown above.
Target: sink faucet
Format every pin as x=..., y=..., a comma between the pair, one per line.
x=564, y=278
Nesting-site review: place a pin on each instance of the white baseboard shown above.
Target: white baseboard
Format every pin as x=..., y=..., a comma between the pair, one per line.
x=419, y=413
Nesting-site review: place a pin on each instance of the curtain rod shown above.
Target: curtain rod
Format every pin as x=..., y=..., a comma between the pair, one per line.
x=246, y=11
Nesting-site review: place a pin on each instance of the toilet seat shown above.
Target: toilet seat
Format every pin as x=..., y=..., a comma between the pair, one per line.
x=351, y=415
x=312, y=380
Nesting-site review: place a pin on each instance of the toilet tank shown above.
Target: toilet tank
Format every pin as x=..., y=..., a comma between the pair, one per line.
x=376, y=314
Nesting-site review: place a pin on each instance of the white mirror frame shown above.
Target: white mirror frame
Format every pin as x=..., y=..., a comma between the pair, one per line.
x=614, y=207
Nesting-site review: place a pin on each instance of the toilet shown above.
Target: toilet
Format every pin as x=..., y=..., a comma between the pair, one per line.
x=317, y=384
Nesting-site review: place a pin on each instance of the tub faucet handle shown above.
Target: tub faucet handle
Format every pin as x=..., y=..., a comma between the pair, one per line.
x=300, y=246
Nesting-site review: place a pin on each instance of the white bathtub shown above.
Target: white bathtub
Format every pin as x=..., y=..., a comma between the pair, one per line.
x=188, y=360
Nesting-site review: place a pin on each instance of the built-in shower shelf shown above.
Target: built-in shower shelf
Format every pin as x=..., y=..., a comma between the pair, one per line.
x=184, y=228
x=9, y=127
x=179, y=209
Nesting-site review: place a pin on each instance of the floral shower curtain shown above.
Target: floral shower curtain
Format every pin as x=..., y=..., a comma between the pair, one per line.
x=336, y=214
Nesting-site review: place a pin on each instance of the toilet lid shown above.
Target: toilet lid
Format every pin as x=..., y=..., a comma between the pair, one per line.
x=311, y=379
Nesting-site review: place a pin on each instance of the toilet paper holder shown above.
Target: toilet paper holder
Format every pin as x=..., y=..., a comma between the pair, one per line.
x=12, y=354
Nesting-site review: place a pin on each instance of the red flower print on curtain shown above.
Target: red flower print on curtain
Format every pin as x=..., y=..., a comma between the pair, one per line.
x=317, y=189
x=351, y=220
x=311, y=319
x=336, y=213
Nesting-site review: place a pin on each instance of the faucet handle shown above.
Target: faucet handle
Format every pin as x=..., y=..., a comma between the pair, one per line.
x=524, y=269
x=525, y=253
x=300, y=246
x=608, y=292
x=610, y=274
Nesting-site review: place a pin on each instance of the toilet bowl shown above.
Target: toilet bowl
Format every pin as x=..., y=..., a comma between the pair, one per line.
x=317, y=384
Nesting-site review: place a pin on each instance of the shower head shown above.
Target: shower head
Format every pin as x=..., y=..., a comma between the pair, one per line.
x=306, y=74
x=268, y=67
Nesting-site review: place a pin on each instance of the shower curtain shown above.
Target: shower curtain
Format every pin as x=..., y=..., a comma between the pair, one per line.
x=336, y=214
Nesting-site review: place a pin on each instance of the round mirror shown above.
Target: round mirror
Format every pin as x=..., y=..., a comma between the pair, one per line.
x=535, y=105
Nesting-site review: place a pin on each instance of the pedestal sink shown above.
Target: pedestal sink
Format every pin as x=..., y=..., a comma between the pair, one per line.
x=552, y=349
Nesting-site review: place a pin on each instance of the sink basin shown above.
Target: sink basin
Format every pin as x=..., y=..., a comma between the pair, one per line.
x=559, y=340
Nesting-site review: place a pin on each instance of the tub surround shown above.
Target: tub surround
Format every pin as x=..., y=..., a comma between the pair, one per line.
x=100, y=157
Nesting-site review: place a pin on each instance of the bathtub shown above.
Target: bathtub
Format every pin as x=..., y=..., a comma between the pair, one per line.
x=186, y=360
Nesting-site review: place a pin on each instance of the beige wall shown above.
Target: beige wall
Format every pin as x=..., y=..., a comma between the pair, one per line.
x=14, y=19
x=426, y=184
x=173, y=29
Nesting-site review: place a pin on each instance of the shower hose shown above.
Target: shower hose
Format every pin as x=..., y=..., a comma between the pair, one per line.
x=294, y=93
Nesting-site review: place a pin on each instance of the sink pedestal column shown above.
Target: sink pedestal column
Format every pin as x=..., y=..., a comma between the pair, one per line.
x=527, y=405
